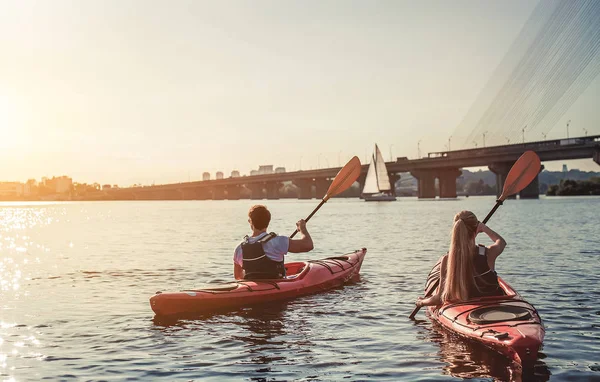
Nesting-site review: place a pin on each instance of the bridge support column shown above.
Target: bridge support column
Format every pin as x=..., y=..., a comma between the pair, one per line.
x=501, y=170
x=257, y=190
x=393, y=179
x=178, y=194
x=174, y=194
x=155, y=195
x=447, y=178
x=426, y=183
x=273, y=190
x=218, y=193
x=304, y=188
x=187, y=194
x=597, y=156
x=321, y=187
x=361, y=181
x=233, y=192
x=532, y=191
x=204, y=193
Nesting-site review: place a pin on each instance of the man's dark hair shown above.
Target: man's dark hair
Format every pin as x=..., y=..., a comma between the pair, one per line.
x=260, y=216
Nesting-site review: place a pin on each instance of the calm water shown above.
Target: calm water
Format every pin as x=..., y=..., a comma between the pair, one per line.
x=75, y=279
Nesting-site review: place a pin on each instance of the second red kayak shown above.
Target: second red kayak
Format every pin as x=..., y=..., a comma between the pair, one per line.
x=507, y=324
x=302, y=278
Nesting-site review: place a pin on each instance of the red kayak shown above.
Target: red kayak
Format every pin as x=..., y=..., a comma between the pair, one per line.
x=507, y=324
x=302, y=278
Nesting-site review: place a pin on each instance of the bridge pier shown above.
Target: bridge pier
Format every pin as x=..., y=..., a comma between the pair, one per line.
x=426, y=183
x=361, y=181
x=596, y=156
x=218, y=193
x=532, y=191
x=175, y=194
x=124, y=196
x=157, y=195
x=393, y=179
x=204, y=193
x=501, y=170
x=447, y=180
x=187, y=194
x=233, y=192
x=273, y=190
x=321, y=187
x=257, y=191
x=304, y=188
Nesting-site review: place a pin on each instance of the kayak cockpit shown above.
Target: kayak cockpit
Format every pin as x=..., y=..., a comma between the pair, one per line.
x=295, y=270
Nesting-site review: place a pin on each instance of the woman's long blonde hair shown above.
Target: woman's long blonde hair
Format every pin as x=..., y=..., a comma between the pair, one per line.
x=459, y=269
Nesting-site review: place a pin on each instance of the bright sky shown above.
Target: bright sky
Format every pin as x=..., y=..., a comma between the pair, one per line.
x=158, y=91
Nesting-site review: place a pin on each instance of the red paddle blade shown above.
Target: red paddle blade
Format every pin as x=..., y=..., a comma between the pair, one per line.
x=525, y=169
x=344, y=178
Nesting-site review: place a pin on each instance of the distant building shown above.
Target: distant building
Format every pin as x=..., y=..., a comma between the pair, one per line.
x=254, y=172
x=206, y=176
x=29, y=187
x=106, y=187
x=565, y=168
x=266, y=169
x=11, y=189
x=235, y=174
x=279, y=170
x=60, y=184
x=219, y=175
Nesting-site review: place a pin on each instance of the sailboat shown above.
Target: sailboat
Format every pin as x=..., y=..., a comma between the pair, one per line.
x=377, y=184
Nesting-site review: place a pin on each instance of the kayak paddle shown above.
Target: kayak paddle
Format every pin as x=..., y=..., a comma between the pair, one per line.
x=342, y=181
x=525, y=169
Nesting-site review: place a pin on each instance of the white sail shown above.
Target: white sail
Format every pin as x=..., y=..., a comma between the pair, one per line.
x=371, y=180
x=383, y=179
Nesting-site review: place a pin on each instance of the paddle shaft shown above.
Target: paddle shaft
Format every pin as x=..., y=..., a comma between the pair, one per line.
x=434, y=286
x=498, y=204
x=310, y=216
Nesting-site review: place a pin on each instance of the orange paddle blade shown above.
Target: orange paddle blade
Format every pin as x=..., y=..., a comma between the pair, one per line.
x=344, y=178
x=525, y=169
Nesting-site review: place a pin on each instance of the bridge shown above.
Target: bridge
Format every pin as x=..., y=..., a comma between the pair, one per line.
x=444, y=166
x=554, y=59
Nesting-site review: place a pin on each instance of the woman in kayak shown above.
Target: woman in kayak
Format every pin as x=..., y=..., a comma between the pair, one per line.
x=261, y=256
x=468, y=270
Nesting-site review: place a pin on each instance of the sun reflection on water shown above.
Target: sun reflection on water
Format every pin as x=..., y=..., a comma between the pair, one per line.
x=20, y=256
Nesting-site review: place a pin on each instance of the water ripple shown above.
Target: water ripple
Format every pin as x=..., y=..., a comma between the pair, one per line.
x=75, y=279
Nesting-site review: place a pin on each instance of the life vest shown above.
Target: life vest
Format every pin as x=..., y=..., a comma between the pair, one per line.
x=257, y=264
x=486, y=280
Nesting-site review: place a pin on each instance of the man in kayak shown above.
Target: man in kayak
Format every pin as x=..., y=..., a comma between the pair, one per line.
x=468, y=270
x=261, y=256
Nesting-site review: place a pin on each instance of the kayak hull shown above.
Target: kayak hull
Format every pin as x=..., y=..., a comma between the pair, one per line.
x=380, y=197
x=517, y=336
x=303, y=278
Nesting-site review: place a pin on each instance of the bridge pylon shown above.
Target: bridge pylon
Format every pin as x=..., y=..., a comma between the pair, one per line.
x=426, y=180
x=321, y=187
x=272, y=190
x=304, y=188
x=532, y=191
x=447, y=181
x=257, y=190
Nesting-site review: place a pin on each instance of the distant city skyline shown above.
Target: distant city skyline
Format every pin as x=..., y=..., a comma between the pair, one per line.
x=155, y=92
